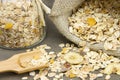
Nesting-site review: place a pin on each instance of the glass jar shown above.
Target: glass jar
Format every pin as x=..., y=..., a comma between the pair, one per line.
x=20, y=24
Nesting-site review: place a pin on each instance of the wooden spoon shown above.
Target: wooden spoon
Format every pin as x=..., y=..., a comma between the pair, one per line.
x=21, y=63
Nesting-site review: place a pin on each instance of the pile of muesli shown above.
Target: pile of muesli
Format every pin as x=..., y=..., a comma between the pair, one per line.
x=19, y=24
x=76, y=62
x=97, y=21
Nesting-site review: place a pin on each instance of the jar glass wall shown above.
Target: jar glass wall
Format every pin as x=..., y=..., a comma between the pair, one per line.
x=20, y=24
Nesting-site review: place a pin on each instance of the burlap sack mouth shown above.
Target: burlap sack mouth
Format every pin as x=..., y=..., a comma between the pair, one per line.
x=59, y=14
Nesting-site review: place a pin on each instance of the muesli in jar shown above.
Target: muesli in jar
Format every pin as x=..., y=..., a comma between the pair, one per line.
x=20, y=24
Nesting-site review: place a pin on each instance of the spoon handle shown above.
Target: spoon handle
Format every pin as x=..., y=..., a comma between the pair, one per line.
x=9, y=65
x=6, y=66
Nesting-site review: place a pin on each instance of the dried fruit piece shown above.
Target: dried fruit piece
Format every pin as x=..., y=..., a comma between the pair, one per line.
x=112, y=68
x=91, y=21
x=8, y=25
x=73, y=58
x=51, y=61
x=64, y=50
x=71, y=75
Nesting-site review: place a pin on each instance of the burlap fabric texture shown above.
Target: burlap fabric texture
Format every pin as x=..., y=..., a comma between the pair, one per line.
x=61, y=10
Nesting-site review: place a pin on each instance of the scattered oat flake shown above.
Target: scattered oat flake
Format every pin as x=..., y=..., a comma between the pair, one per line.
x=55, y=79
x=100, y=75
x=107, y=77
x=32, y=73
x=51, y=74
x=24, y=78
x=57, y=76
x=61, y=45
x=47, y=47
x=51, y=52
x=67, y=45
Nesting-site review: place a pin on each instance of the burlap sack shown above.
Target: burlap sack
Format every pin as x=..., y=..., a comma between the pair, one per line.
x=60, y=12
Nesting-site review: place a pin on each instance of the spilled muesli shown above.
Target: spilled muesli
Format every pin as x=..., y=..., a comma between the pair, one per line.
x=97, y=21
x=76, y=62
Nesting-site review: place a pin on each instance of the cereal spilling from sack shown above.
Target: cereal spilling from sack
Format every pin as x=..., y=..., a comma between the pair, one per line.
x=97, y=21
x=19, y=24
x=74, y=62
